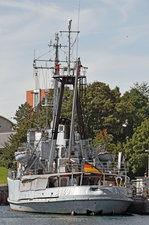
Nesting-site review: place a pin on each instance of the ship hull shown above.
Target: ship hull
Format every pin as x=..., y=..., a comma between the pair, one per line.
x=139, y=206
x=69, y=200
x=88, y=206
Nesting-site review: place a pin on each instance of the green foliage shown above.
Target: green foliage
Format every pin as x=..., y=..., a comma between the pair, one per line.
x=142, y=88
x=103, y=137
x=67, y=103
x=106, y=110
x=100, y=106
x=3, y=175
x=42, y=116
x=23, y=113
x=139, y=109
x=24, y=118
x=135, y=149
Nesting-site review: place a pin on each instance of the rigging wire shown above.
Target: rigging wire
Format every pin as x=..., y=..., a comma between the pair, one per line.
x=44, y=54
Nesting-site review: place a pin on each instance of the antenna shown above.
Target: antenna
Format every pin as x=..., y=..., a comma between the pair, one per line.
x=69, y=31
x=78, y=29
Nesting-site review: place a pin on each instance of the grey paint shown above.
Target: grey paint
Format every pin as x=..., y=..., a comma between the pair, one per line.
x=77, y=199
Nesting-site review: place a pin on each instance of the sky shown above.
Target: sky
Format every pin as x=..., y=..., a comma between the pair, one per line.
x=113, y=42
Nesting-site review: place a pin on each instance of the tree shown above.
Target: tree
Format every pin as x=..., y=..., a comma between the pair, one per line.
x=104, y=138
x=24, y=119
x=24, y=112
x=135, y=149
x=143, y=88
x=106, y=109
x=67, y=103
x=139, y=109
x=42, y=116
x=100, y=107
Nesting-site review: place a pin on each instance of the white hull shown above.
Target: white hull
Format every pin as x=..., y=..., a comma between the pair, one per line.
x=71, y=199
x=98, y=206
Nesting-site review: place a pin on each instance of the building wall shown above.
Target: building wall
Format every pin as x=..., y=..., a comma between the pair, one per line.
x=5, y=125
x=5, y=131
x=32, y=95
x=29, y=98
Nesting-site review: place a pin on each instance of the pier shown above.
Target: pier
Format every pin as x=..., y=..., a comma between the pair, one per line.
x=3, y=194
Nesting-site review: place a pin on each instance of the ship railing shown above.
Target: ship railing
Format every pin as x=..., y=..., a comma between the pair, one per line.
x=13, y=174
x=70, y=167
x=140, y=187
x=63, y=71
x=107, y=168
x=29, y=171
x=139, y=192
x=112, y=168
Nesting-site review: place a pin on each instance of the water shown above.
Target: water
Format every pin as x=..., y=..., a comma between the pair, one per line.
x=20, y=218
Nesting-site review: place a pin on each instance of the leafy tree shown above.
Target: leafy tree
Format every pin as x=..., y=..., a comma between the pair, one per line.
x=100, y=105
x=106, y=109
x=23, y=113
x=135, y=149
x=67, y=103
x=23, y=117
x=143, y=88
x=26, y=118
x=104, y=138
x=43, y=114
x=139, y=109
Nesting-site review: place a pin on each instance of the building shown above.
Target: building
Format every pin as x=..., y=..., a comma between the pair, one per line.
x=34, y=97
x=6, y=130
x=5, y=125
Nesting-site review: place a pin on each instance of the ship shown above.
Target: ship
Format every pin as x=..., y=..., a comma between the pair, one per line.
x=140, y=204
x=58, y=170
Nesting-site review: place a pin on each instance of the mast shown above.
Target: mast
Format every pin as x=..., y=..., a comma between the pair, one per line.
x=55, y=96
x=69, y=32
x=63, y=79
x=55, y=105
x=73, y=110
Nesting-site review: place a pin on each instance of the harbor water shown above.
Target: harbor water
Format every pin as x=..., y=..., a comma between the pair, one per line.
x=8, y=217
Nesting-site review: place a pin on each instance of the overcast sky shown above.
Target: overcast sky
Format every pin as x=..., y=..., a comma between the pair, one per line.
x=113, y=43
